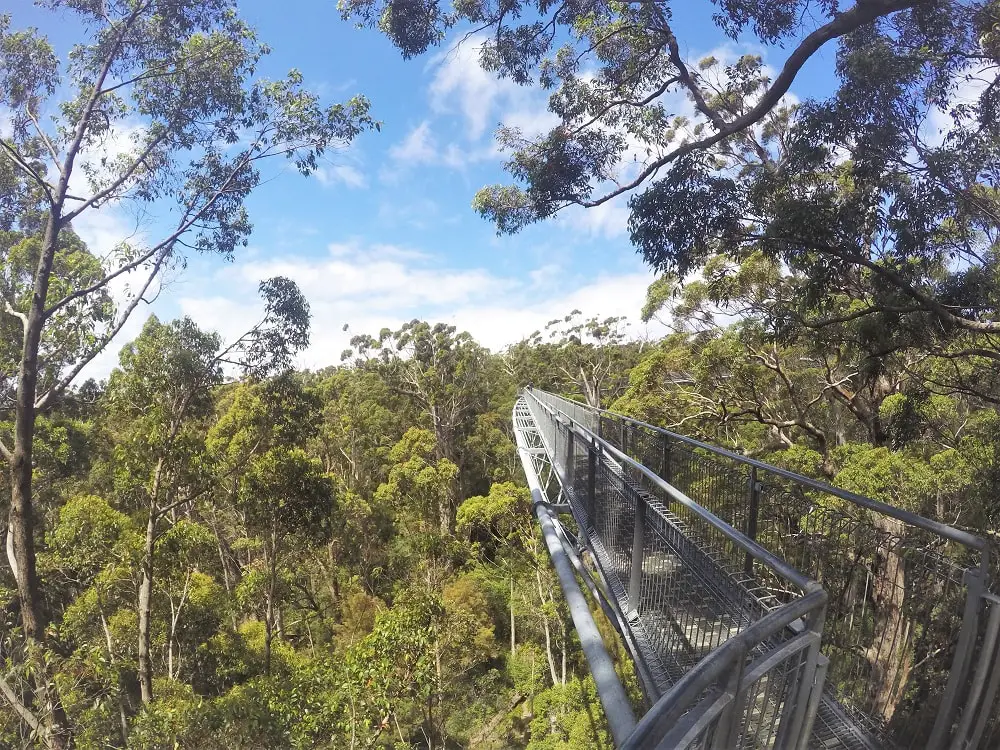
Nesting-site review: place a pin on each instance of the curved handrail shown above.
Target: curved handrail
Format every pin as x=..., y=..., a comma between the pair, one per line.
x=612, y=694
x=771, y=497
x=685, y=693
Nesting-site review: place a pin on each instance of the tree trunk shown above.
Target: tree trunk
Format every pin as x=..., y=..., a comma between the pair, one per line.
x=438, y=691
x=548, y=635
x=444, y=516
x=21, y=524
x=332, y=583
x=565, y=639
x=271, y=561
x=145, y=610
x=11, y=560
x=483, y=734
x=268, y=630
x=591, y=390
x=513, y=638
x=173, y=646
x=890, y=655
x=123, y=712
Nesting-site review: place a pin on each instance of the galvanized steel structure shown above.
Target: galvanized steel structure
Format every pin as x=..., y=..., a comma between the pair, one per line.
x=761, y=609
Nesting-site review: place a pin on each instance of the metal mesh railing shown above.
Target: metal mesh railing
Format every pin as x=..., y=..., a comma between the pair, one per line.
x=906, y=621
x=678, y=575
x=752, y=692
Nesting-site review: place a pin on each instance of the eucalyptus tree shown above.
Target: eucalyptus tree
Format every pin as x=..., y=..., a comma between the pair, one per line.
x=276, y=488
x=447, y=376
x=158, y=104
x=585, y=356
x=160, y=391
x=754, y=355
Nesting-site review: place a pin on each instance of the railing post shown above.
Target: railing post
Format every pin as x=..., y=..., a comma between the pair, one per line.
x=994, y=684
x=753, y=490
x=665, y=459
x=592, y=457
x=625, y=437
x=984, y=664
x=799, y=711
x=638, y=553
x=958, y=677
x=570, y=457
x=727, y=730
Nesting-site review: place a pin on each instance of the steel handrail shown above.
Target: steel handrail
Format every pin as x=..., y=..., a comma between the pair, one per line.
x=617, y=708
x=748, y=545
x=712, y=667
x=941, y=529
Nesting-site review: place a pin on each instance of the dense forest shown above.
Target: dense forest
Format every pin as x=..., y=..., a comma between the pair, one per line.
x=213, y=549
x=321, y=559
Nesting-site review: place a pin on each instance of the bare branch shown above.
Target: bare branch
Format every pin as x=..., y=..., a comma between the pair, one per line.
x=101, y=195
x=901, y=283
x=22, y=164
x=863, y=12
x=188, y=220
x=9, y=309
x=131, y=266
x=81, y=126
x=59, y=387
x=975, y=352
x=19, y=708
x=45, y=138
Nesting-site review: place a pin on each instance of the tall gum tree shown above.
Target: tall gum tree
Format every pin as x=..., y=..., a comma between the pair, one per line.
x=446, y=375
x=173, y=83
x=164, y=384
x=279, y=492
x=587, y=356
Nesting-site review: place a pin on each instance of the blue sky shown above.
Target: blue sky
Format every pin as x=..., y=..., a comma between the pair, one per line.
x=384, y=231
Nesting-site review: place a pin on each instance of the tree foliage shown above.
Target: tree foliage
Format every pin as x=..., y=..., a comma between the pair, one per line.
x=212, y=550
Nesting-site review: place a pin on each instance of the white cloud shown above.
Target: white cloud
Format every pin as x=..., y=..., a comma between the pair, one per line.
x=608, y=220
x=421, y=147
x=460, y=85
x=497, y=325
x=6, y=122
x=418, y=146
x=343, y=174
x=377, y=277
x=368, y=287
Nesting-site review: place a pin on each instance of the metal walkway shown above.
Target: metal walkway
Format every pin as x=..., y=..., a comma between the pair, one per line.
x=761, y=609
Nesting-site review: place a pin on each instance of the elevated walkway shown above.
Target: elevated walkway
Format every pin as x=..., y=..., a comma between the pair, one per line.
x=763, y=609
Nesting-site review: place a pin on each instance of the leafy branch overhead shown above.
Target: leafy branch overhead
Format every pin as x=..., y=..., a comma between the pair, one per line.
x=619, y=84
x=884, y=191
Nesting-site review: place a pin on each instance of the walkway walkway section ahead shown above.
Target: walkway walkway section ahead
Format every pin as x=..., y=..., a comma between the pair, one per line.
x=722, y=574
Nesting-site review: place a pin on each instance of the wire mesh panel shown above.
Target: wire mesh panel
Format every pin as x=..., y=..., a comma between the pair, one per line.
x=751, y=692
x=905, y=613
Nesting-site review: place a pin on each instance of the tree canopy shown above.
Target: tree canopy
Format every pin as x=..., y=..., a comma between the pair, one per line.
x=213, y=549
